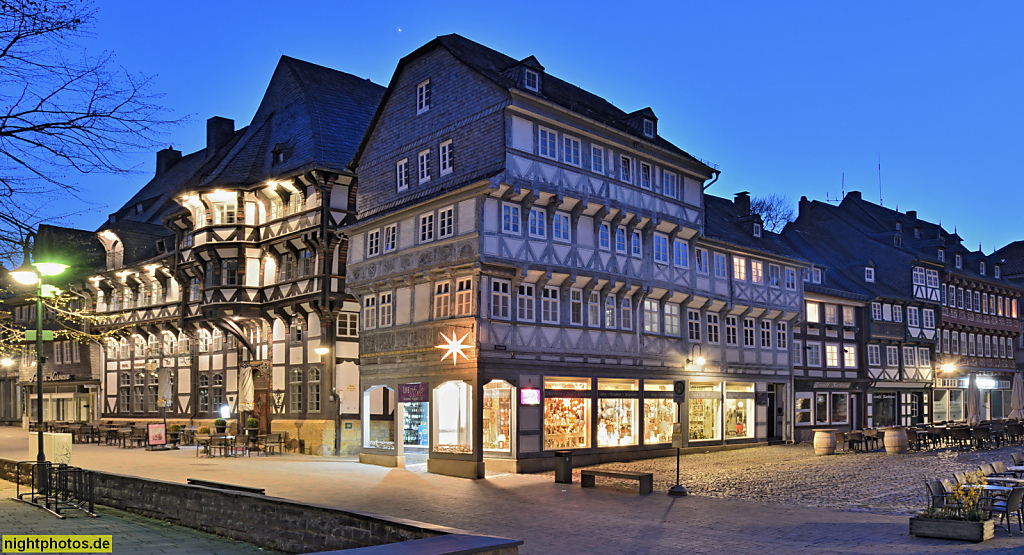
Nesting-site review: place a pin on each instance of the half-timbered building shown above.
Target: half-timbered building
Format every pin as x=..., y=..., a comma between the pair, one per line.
x=224, y=271
x=556, y=247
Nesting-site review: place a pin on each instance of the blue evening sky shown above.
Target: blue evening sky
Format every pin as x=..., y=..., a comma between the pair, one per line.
x=785, y=97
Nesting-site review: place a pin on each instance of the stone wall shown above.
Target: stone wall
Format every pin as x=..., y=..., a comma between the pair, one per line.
x=268, y=522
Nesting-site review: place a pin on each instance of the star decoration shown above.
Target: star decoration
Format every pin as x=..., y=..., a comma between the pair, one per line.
x=454, y=347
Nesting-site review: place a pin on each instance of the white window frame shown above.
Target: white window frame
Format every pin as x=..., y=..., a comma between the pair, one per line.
x=604, y=237
x=648, y=128
x=625, y=169
x=446, y=222
x=372, y=243
x=594, y=310
x=575, y=307
x=526, y=303
x=501, y=299
x=680, y=253
x=464, y=296
x=781, y=336
x=766, y=334
x=426, y=227
x=636, y=244
x=874, y=356
x=749, y=341
x=757, y=272
x=739, y=268
x=652, y=313
x=923, y=357
x=661, y=248
x=423, y=165
x=447, y=161
x=597, y=159
x=621, y=242
x=671, y=184
x=610, y=310
x=791, y=279
x=442, y=299
x=626, y=313
x=849, y=356
x=537, y=224
x=798, y=352
x=547, y=143
x=714, y=329
x=423, y=97
x=385, y=310
x=701, y=260
x=511, y=218
x=390, y=242
x=561, y=228
x=869, y=274
x=536, y=80
x=731, y=330
x=693, y=324
x=814, y=354
x=672, y=319
x=370, y=312
x=721, y=262
x=401, y=174
x=646, y=175
x=549, y=305
x=832, y=359
x=572, y=151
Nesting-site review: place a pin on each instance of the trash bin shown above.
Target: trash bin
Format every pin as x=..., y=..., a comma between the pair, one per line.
x=302, y=446
x=563, y=467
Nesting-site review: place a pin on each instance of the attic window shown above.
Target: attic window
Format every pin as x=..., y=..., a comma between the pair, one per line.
x=917, y=233
x=869, y=275
x=995, y=272
x=899, y=226
x=532, y=81
x=278, y=156
x=942, y=255
x=138, y=208
x=981, y=268
x=959, y=261
x=757, y=230
x=816, y=275
x=897, y=241
x=648, y=128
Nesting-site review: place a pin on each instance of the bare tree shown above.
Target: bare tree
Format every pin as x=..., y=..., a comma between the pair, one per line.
x=63, y=111
x=774, y=210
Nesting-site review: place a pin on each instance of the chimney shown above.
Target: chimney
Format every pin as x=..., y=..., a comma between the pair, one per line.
x=912, y=214
x=166, y=158
x=803, y=207
x=218, y=132
x=854, y=195
x=742, y=201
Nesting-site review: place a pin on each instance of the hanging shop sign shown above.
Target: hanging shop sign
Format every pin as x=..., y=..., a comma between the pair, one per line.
x=413, y=392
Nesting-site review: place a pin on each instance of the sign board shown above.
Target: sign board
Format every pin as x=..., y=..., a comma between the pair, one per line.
x=761, y=398
x=413, y=392
x=677, y=435
x=679, y=391
x=156, y=434
x=529, y=396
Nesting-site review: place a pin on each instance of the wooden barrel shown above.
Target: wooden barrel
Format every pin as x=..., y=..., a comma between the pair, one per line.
x=895, y=441
x=824, y=442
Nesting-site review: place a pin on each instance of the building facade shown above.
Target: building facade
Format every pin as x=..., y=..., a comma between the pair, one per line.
x=563, y=249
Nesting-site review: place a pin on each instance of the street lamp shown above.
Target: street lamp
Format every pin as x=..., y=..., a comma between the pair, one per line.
x=32, y=274
x=699, y=359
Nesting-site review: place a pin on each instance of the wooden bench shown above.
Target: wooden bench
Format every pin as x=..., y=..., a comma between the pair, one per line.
x=646, y=479
x=230, y=487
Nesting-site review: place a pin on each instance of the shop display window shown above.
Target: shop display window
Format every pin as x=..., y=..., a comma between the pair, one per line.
x=940, y=412
x=416, y=428
x=803, y=409
x=618, y=401
x=956, y=405
x=379, y=433
x=821, y=408
x=705, y=411
x=566, y=413
x=660, y=413
x=739, y=410
x=840, y=408
x=498, y=416
x=884, y=409
x=453, y=413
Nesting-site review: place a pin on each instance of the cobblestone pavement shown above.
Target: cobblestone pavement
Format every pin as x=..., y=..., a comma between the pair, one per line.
x=129, y=533
x=791, y=474
x=778, y=499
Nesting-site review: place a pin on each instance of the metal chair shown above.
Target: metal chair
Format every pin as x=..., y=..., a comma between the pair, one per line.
x=913, y=440
x=273, y=442
x=983, y=438
x=938, y=493
x=871, y=438
x=855, y=439
x=962, y=436
x=1018, y=458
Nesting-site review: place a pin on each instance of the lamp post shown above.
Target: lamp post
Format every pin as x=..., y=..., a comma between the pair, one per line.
x=32, y=274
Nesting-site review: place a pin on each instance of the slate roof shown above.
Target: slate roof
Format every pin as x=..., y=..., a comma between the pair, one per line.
x=1013, y=253
x=726, y=221
x=314, y=114
x=78, y=248
x=493, y=65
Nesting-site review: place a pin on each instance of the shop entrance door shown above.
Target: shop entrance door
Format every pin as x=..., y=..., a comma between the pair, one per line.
x=416, y=435
x=774, y=426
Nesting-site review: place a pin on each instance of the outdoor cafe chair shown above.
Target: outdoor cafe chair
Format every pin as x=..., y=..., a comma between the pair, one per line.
x=855, y=439
x=203, y=442
x=913, y=439
x=938, y=493
x=871, y=437
x=1015, y=432
x=962, y=437
x=959, y=476
x=1018, y=458
x=983, y=438
x=1011, y=505
x=999, y=469
x=271, y=443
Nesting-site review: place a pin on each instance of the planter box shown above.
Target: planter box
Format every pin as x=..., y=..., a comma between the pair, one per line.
x=953, y=529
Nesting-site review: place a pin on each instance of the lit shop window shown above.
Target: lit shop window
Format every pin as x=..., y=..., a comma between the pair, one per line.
x=566, y=413
x=660, y=411
x=497, y=416
x=739, y=410
x=705, y=410
x=453, y=415
x=379, y=432
x=617, y=416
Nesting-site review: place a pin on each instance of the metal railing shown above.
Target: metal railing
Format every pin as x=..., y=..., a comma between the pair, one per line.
x=55, y=487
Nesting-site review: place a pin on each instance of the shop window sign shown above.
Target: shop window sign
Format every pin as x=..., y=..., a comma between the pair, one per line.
x=413, y=393
x=529, y=396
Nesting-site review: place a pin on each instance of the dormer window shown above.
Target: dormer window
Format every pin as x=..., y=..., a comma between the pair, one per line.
x=981, y=268
x=757, y=230
x=959, y=261
x=897, y=241
x=899, y=226
x=648, y=128
x=278, y=156
x=917, y=233
x=532, y=81
x=995, y=272
x=869, y=275
x=942, y=255
x=816, y=275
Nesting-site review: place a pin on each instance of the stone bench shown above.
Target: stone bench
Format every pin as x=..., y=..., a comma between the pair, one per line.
x=646, y=479
x=228, y=487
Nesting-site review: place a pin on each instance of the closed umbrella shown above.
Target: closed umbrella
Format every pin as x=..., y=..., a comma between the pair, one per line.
x=245, y=388
x=973, y=402
x=164, y=388
x=1017, y=397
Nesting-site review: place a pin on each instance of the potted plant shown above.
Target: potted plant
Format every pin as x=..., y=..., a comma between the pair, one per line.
x=174, y=435
x=252, y=427
x=203, y=430
x=962, y=515
x=221, y=425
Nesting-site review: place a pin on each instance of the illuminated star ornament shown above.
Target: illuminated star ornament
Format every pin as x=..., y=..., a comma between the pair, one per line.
x=454, y=347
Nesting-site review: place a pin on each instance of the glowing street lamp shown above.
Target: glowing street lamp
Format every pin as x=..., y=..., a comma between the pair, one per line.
x=948, y=368
x=699, y=359
x=32, y=274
